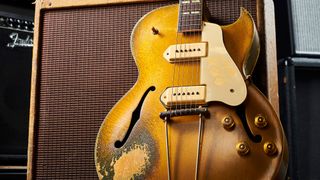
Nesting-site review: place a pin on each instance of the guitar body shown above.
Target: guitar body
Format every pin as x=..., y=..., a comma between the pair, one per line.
x=131, y=143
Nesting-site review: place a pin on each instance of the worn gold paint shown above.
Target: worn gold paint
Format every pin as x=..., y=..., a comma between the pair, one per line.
x=219, y=156
x=131, y=163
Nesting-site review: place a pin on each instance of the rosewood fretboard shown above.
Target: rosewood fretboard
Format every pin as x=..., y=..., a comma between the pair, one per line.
x=190, y=15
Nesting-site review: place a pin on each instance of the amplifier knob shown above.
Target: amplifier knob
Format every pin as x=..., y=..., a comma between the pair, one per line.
x=2, y=21
x=9, y=22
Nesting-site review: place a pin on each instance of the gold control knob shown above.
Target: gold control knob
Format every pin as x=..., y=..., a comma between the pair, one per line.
x=260, y=121
x=270, y=148
x=243, y=148
x=228, y=123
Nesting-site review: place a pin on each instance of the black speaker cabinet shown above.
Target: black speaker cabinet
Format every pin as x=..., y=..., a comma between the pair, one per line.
x=16, y=32
x=300, y=111
x=298, y=37
x=16, y=41
x=82, y=65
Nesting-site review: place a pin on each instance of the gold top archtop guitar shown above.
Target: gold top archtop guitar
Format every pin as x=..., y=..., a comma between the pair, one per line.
x=193, y=112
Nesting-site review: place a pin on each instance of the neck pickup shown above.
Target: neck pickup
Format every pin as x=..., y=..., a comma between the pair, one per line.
x=186, y=52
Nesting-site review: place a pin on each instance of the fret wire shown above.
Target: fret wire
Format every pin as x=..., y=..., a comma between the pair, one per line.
x=191, y=25
x=195, y=28
x=189, y=9
x=199, y=14
x=193, y=13
x=190, y=15
x=193, y=16
x=186, y=25
x=189, y=22
x=191, y=5
x=194, y=19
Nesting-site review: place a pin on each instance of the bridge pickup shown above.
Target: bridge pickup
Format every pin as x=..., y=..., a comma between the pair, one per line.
x=186, y=52
x=184, y=95
x=183, y=112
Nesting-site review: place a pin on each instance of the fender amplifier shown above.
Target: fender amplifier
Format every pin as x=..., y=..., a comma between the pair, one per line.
x=16, y=32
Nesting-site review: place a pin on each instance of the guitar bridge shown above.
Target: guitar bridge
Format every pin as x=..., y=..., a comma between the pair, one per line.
x=183, y=112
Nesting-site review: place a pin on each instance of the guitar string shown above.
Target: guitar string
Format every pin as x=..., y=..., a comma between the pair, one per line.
x=181, y=65
x=172, y=92
x=200, y=128
x=184, y=61
x=192, y=40
x=191, y=64
x=182, y=53
x=179, y=82
x=193, y=34
x=194, y=37
x=188, y=65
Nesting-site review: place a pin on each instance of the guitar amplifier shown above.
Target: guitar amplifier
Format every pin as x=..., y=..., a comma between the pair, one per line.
x=299, y=89
x=82, y=65
x=16, y=32
x=298, y=28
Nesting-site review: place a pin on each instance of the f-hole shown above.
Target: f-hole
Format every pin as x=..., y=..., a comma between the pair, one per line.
x=134, y=118
x=241, y=113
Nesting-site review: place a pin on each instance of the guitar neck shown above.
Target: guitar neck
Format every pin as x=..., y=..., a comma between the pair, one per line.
x=190, y=15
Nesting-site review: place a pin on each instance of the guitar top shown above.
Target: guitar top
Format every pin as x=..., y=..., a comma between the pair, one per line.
x=194, y=112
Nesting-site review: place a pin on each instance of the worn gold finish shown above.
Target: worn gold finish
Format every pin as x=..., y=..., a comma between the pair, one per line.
x=218, y=145
x=228, y=123
x=260, y=121
x=270, y=148
x=243, y=148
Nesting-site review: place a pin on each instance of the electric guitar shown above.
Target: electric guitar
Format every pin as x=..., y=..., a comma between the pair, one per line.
x=193, y=113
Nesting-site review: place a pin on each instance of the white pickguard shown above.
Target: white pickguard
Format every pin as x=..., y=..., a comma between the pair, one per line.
x=218, y=71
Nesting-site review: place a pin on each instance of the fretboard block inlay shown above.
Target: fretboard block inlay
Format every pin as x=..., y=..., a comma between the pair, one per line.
x=190, y=16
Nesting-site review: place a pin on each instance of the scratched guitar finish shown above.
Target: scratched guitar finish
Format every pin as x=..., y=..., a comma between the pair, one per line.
x=193, y=112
